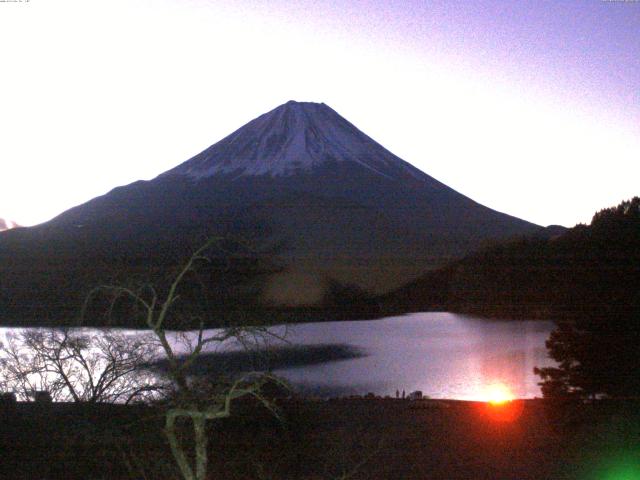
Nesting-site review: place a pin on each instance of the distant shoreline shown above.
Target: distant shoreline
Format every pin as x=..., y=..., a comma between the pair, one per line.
x=282, y=322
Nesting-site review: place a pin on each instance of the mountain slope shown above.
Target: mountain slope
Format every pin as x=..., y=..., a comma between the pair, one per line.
x=328, y=203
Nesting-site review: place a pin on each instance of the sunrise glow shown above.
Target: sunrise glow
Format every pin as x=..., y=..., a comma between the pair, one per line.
x=491, y=98
x=498, y=394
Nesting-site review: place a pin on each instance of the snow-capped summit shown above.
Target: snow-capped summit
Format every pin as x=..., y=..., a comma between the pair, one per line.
x=292, y=138
x=7, y=224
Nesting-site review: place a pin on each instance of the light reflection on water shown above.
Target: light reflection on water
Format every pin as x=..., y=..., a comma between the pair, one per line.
x=442, y=354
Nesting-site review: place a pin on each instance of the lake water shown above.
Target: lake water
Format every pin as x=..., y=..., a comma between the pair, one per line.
x=444, y=355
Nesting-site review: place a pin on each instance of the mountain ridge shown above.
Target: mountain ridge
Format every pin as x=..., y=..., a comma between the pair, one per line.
x=349, y=213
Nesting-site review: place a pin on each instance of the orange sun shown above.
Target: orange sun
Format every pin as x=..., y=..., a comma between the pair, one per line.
x=499, y=404
x=498, y=394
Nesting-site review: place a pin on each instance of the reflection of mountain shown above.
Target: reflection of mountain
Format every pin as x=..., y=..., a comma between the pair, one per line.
x=337, y=207
x=269, y=359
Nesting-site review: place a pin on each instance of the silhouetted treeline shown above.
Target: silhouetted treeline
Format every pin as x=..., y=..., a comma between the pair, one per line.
x=39, y=287
x=587, y=270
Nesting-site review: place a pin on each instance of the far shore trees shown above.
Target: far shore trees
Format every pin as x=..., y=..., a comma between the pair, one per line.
x=597, y=345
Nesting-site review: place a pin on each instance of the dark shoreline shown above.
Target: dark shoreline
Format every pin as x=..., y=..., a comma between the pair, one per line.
x=412, y=440
x=279, y=322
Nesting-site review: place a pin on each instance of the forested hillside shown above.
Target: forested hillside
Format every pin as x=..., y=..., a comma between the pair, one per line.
x=589, y=270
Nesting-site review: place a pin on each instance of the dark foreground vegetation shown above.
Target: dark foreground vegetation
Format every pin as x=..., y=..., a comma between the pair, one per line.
x=338, y=439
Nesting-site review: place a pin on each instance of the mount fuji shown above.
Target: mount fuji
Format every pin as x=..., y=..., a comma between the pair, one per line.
x=332, y=206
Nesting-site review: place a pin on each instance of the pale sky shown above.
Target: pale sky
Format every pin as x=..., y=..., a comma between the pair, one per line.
x=528, y=107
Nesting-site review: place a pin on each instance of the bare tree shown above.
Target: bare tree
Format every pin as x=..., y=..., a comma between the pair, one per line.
x=193, y=399
x=78, y=366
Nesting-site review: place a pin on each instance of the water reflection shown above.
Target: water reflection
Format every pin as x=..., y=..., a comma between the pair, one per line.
x=235, y=361
x=442, y=354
